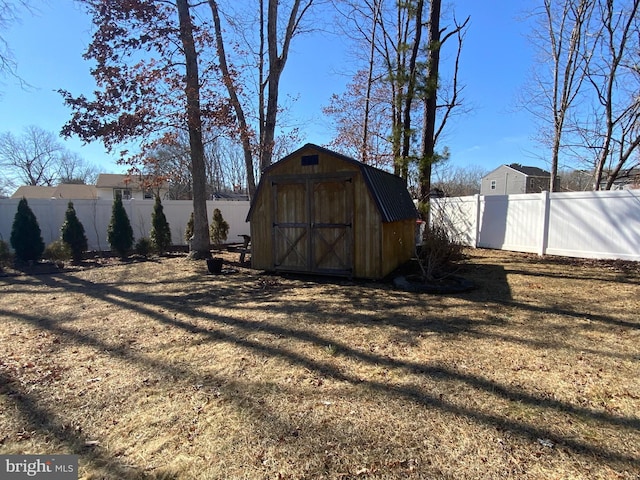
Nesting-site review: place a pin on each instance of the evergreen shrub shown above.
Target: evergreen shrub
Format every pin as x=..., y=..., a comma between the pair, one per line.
x=119, y=232
x=26, y=237
x=188, y=233
x=219, y=228
x=73, y=233
x=160, y=230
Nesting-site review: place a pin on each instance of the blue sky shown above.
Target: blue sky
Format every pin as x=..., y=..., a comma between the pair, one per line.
x=496, y=58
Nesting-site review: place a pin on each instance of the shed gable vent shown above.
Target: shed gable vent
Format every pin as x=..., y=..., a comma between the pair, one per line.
x=309, y=160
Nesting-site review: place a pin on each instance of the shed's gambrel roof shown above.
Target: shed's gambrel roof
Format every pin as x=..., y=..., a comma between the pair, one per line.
x=388, y=191
x=390, y=194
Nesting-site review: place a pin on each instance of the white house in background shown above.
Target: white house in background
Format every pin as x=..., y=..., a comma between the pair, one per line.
x=514, y=179
x=107, y=187
x=67, y=191
x=129, y=187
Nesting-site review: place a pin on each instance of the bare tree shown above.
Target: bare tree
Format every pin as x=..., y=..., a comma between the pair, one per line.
x=171, y=162
x=575, y=180
x=33, y=158
x=361, y=119
x=614, y=76
x=74, y=169
x=364, y=113
x=457, y=181
x=199, y=245
x=565, y=50
x=153, y=77
x=432, y=126
x=5, y=186
x=371, y=62
x=9, y=15
x=270, y=50
x=407, y=65
x=37, y=157
x=400, y=42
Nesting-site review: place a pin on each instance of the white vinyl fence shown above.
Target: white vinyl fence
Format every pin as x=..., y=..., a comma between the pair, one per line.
x=95, y=216
x=603, y=224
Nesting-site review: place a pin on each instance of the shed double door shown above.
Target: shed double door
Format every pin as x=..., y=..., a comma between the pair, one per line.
x=313, y=224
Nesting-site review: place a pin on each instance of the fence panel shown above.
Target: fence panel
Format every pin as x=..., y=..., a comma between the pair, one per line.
x=95, y=216
x=603, y=224
x=460, y=216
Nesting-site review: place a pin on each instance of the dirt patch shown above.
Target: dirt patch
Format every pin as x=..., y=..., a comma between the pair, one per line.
x=158, y=369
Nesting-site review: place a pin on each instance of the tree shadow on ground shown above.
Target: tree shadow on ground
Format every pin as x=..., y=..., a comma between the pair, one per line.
x=164, y=308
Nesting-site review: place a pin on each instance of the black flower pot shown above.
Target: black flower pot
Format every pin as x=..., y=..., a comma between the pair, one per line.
x=214, y=265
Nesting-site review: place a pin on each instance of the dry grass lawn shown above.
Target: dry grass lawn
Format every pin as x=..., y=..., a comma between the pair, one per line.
x=157, y=370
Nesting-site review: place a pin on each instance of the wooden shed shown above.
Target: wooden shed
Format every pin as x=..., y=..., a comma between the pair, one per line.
x=320, y=212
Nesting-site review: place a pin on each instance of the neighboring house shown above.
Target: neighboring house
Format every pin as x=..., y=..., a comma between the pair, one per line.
x=514, y=179
x=70, y=191
x=231, y=196
x=106, y=188
x=626, y=180
x=129, y=187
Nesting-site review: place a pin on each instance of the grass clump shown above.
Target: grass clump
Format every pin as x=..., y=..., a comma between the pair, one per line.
x=58, y=252
x=143, y=247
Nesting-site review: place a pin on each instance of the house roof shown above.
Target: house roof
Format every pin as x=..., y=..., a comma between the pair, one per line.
x=529, y=171
x=70, y=191
x=32, y=191
x=388, y=191
x=114, y=180
x=230, y=196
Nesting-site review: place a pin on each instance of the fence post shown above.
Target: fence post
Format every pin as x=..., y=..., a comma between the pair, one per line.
x=476, y=241
x=546, y=205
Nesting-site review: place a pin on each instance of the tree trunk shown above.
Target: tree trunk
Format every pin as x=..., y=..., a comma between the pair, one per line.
x=570, y=62
x=199, y=246
x=277, y=61
x=430, y=106
x=245, y=130
x=411, y=87
x=367, y=100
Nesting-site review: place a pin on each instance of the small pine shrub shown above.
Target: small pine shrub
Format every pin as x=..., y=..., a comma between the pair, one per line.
x=143, y=247
x=58, y=252
x=188, y=233
x=119, y=232
x=5, y=255
x=26, y=237
x=219, y=228
x=73, y=233
x=160, y=230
